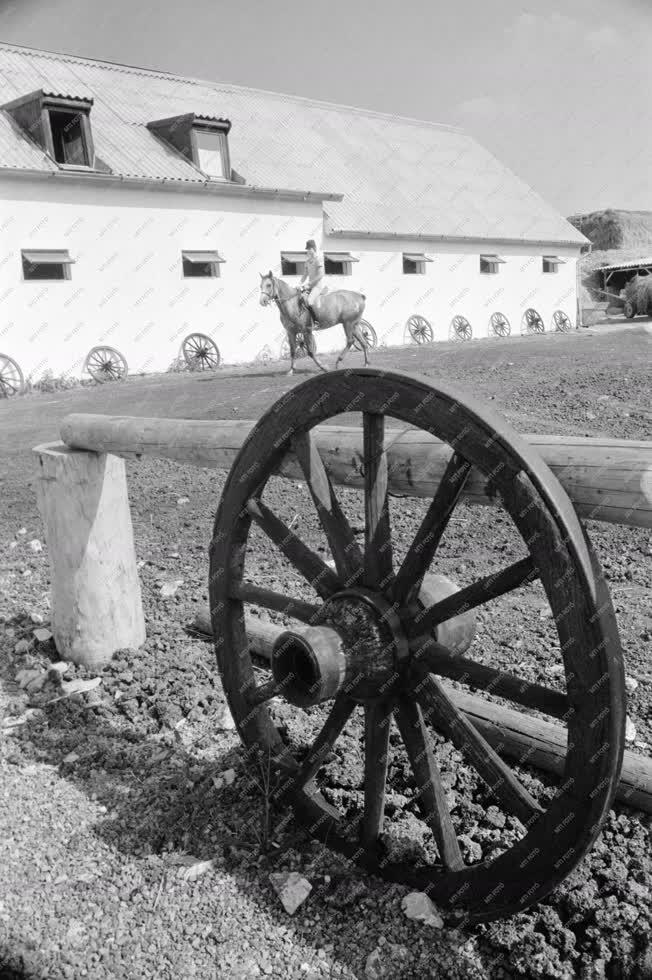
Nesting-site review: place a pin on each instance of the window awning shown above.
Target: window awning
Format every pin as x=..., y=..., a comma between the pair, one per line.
x=492, y=258
x=554, y=260
x=48, y=256
x=416, y=257
x=203, y=257
x=340, y=257
x=294, y=256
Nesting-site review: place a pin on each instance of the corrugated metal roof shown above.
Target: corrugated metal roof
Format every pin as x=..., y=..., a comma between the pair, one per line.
x=398, y=176
x=638, y=264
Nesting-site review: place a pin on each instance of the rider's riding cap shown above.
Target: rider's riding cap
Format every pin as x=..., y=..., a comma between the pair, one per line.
x=310, y=244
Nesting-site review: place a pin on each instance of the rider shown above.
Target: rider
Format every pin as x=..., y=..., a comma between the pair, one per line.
x=315, y=275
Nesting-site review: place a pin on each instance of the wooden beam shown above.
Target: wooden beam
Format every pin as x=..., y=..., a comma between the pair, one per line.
x=511, y=733
x=95, y=601
x=607, y=479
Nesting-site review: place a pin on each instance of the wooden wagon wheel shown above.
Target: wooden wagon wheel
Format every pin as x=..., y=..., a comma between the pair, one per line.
x=106, y=364
x=419, y=329
x=369, y=335
x=381, y=633
x=11, y=377
x=533, y=322
x=200, y=352
x=461, y=328
x=500, y=325
x=629, y=309
x=301, y=350
x=561, y=321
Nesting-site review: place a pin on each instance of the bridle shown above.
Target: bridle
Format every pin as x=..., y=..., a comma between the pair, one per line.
x=275, y=296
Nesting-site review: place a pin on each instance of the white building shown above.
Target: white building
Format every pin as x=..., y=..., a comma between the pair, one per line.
x=139, y=206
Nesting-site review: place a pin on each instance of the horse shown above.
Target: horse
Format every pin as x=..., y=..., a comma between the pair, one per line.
x=341, y=306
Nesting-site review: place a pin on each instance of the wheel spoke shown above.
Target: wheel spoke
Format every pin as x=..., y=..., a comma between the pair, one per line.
x=378, y=567
x=378, y=718
x=258, y=695
x=425, y=544
x=303, y=611
x=323, y=744
x=315, y=571
x=506, y=787
x=438, y=660
x=341, y=539
x=485, y=589
x=432, y=796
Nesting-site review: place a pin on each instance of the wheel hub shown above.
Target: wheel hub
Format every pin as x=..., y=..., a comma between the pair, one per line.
x=359, y=645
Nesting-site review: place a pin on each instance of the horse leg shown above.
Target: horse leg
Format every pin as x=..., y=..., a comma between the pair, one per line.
x=349, y=342
x=359, y=336
x=292, y=341
x=311, y=347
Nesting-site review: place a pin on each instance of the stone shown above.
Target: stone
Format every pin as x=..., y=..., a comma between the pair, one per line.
x=419, y=907
x=182, y=501
x=292, y=889
x=42, y=635
x=495, y=817
x=22, y=646
x=35, y=546
x=169, y=589
x=631, y=684
x=630, y=730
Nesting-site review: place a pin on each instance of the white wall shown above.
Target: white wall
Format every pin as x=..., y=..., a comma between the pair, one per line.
x=453, y=284
x=127, y=288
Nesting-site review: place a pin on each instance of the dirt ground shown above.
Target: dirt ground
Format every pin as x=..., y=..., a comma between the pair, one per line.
x=133, y=837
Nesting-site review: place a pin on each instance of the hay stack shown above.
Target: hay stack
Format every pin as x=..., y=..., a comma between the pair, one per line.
x=638, y=292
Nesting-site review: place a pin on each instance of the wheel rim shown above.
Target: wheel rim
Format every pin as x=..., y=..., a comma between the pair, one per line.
x=369, y=335
x=561, y=321
x=533, y=322
x=461, y=328
x=11, y=377
x=200, y=352
x=500, y=325
x=420, y=329
x=106, y=364
x=582, y=611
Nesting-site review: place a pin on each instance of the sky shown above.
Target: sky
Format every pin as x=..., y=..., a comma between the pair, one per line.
x=558, y=91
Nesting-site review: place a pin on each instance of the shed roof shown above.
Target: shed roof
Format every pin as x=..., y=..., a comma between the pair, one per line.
x=398, y=177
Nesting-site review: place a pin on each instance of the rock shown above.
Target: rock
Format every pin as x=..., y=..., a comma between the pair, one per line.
x=35, y=546
x=70, y=758
x=31, y=680
x=23, y=646
x=630, y=684
x=42, y=635
x=61, y=667
x=226, y=778
x=22, y=531
x=195, y=870
x=417, y=906
x=470, y=848
x=292, y=889
x=224, y=719
x=80, y=686
x=630, y=730
x=495, y=817
x=36, y=618
x=182, y=501
x=386, y=962
x=169, y=589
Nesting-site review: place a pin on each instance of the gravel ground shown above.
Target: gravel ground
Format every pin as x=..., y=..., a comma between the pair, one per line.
x=135, y=841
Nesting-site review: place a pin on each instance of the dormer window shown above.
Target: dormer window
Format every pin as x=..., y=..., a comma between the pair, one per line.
x=60, y=125
x=201, y=139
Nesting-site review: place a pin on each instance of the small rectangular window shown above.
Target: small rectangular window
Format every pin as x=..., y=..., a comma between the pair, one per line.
x=490, y=264
x=551, y=263
x=338, y=263
x=48, y=264
x=68, y=138
x=414, y=263
x=293, y=263
x=211, y=146
x=201, y=265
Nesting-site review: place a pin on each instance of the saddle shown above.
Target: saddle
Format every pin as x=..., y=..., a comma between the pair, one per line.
x=303, y=301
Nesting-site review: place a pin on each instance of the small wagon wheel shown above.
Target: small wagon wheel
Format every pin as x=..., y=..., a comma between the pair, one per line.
x=380, y=633
x=533, y=322
x=629, y=309
x=500, y=325
x=369, y=335
x=561, y=321
x=419, y=329
x=461, y=328
x=106, y=364
x=200, y=352
x=11, y=377
x=301, y=350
